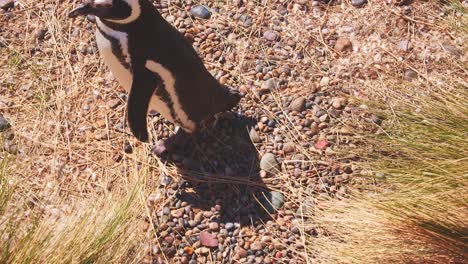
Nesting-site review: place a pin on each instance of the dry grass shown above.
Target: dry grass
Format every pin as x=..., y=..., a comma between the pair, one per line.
x=418, y=210
x=104, y=231
x=68, y=200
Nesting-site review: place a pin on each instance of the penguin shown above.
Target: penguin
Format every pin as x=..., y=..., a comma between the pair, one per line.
x=156, y=65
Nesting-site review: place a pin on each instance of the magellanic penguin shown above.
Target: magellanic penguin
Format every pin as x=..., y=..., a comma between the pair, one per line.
x=154, y=62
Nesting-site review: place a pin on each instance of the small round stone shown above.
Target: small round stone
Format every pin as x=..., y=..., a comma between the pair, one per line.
x=214, y=226
x=270, y=84
x=358, y=3
x=4, y=124
x=254, y=136
x=298, y=104
x=410, y=75
x=270, y=35
x=343, y=44
x=272, y=201
x=229, y=226
x=269, y=163
x=200, y=12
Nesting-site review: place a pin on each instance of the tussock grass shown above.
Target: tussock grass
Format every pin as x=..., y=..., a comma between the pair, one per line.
x=104, y=231
x=415, y=207
x=418, y=210
x=426, y=165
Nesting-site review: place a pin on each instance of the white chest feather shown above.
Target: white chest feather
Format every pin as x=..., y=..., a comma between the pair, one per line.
x=121, y=73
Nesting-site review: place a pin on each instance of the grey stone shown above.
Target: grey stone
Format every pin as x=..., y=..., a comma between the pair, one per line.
x=298, y=104
x=229, y=226
x=358, y=3
x=201, y=12
x=4, y=124
x=452, y=50
x=270, y=35
x=272, y=201
x=166, y=181
x=254, y=136
x=404, y=45
x=270, y=84
x=410, y=75
x=10, y=147
x=269, y=163
x=289, y=147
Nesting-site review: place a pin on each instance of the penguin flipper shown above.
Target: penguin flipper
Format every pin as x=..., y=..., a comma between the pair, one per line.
x=143, y=87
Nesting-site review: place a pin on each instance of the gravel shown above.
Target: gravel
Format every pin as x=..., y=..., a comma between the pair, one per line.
x=295, y=90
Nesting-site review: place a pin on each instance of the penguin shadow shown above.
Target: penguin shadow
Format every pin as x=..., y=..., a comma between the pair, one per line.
x=220, y=168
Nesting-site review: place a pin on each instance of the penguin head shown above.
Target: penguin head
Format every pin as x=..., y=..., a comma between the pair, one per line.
x=117, y=11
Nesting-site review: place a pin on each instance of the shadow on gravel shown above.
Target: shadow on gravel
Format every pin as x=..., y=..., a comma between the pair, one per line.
x=220, y=168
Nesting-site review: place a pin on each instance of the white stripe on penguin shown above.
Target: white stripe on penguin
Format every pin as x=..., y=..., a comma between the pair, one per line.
x=169, y=85
x=135, y=12
x=122, y=37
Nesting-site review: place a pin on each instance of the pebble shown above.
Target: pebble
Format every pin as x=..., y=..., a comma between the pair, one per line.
x=324, y=81
x=10, y=147
x=254, y=136
x=321, y=144
x=214, y=226
x=229, y=226
x=337, y=103
x=452, y=50
x=269, y=163
x=343, y=44
x=200, y=12
x=112, y=104
x=323, y=118
x=256, y=245
x=270, y=84
x=241, y=252
x=272, y=201
x=91, y=18
x=358, y=3
x=169, y=239
x=4, y=124
x=41, y=34
x=376, y=120
x=410, y=75
x=177, y=213
x=270, y=35
x=202, y=251
x=208, y=239
x=298, y=104
x=289, y=147
x=128, y=148
x=165, y=180
x=404, y=45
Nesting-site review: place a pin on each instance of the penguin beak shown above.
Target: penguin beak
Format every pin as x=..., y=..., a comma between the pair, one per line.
x=82, y=10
